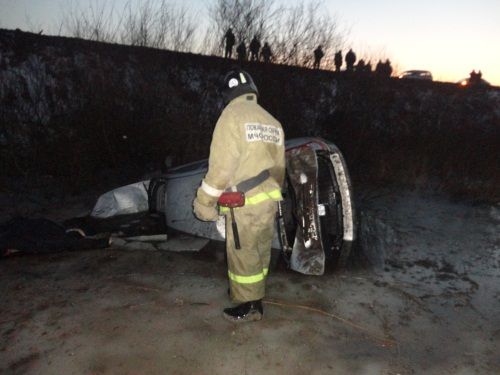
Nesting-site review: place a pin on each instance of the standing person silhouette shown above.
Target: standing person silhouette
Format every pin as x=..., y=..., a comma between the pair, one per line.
x=230, y=40
x=338, y=60
x=350, y=59
x=242, y=51
x=387, y=68
x=254, y=49
x=266, y=53
x=318, y=55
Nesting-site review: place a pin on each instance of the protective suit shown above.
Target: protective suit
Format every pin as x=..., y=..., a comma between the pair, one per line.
x=246, y=141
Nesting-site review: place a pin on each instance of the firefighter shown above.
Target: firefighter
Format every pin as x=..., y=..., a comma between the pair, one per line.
x=247, y=154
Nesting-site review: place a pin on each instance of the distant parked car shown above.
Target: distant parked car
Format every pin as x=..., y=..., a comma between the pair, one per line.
x=416, y=74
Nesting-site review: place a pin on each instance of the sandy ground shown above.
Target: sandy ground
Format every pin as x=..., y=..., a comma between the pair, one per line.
x=430, y=304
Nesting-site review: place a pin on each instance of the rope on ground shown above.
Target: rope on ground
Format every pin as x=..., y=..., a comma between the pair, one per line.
x=385, y=341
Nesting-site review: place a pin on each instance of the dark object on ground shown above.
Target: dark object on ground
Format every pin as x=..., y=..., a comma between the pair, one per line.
x=23, y=235
x=139, y=224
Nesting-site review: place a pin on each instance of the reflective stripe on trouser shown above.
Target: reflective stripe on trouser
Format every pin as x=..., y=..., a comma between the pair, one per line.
x=248, y=266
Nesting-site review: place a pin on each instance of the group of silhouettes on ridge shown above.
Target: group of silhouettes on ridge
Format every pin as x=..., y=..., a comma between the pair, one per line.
x=257, y=52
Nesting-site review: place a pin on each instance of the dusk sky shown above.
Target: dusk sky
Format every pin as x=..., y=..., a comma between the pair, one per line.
x=448, y=37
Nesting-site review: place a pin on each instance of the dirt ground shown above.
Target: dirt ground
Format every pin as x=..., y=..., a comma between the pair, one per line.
x=429, y=305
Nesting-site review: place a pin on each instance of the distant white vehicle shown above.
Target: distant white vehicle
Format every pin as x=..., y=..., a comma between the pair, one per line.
x=416, y=74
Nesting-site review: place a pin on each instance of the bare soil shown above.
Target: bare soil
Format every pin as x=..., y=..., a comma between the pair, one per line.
x=430, y=307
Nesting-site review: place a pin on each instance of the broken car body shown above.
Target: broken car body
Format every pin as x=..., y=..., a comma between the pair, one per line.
x=316, y=220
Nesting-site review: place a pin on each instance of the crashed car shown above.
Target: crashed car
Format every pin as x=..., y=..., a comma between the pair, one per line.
x=315, y=224
x=316, y=220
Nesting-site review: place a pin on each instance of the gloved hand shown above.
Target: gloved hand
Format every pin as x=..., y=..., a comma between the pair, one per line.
x=205, y=213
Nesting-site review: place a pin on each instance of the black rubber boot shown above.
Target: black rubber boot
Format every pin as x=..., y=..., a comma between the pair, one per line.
x=246, y=312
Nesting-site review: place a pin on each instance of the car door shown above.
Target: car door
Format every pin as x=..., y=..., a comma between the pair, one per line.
x=318, y=224
x=307, y=254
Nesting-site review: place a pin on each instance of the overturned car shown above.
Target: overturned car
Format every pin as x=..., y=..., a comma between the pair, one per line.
x=315, y=222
